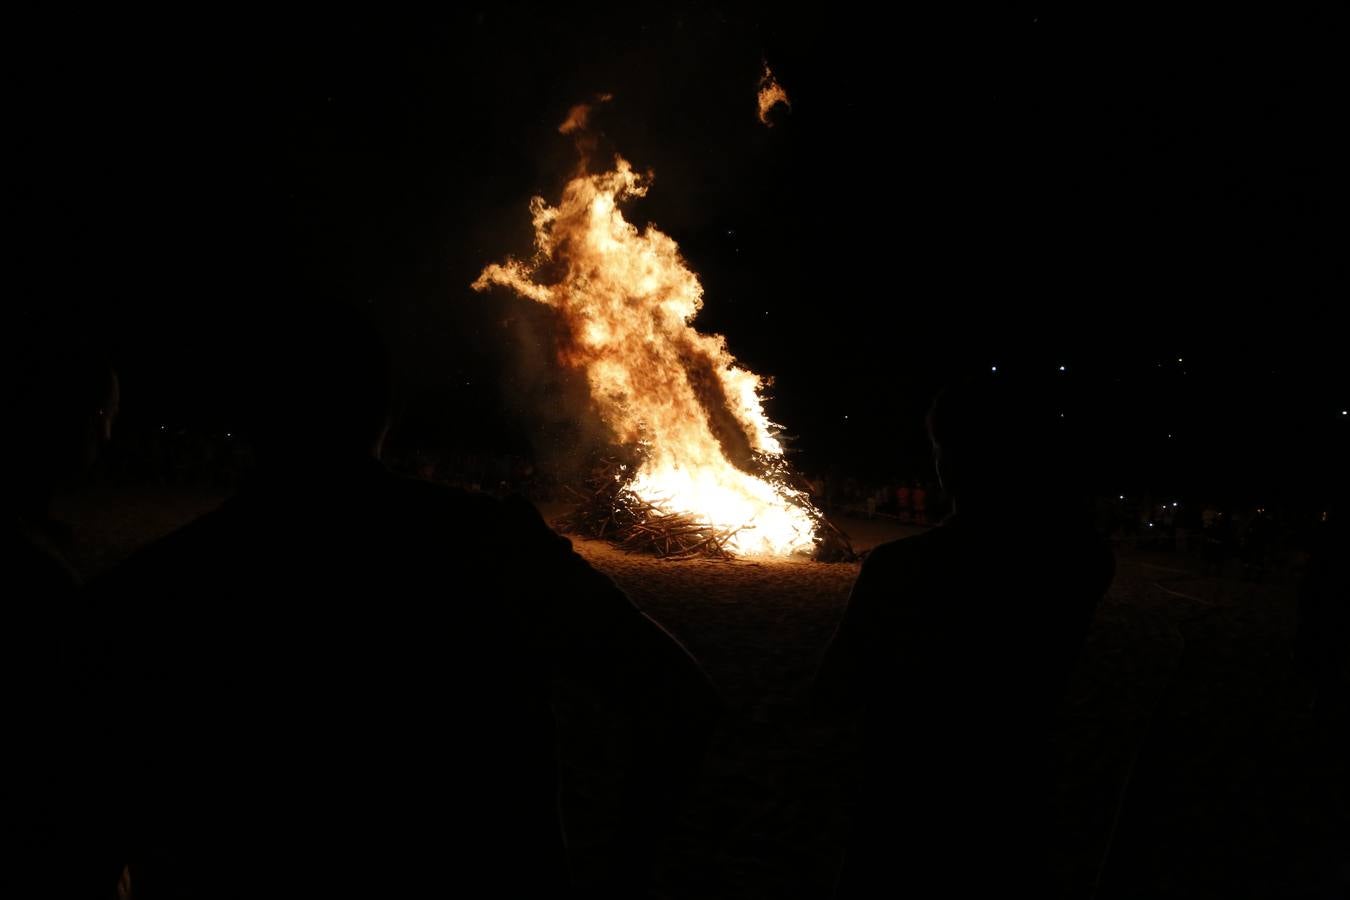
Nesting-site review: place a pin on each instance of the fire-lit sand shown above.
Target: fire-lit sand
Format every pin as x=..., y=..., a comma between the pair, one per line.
x=625, y=302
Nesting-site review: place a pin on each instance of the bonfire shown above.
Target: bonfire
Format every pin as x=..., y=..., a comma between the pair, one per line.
x=696, y=466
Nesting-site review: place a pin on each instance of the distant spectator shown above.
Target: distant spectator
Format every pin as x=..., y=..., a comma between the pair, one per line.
x=903, y=502
x=918, y=497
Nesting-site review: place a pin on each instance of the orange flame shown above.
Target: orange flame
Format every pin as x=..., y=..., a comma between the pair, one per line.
x=771, y=93
x=626, y=299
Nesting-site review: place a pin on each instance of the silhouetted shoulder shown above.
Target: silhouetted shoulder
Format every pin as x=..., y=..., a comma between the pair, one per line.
x=903, y=551
x=430, y=496
x=846, y=670
x=908, y=556
x=499, y=520
x=897, y=578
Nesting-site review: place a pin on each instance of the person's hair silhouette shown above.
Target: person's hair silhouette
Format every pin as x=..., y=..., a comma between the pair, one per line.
x=954, y=649
x=338, y=684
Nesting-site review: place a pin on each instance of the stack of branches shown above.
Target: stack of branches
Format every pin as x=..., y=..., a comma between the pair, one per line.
x=832, y=544
x=606, y=508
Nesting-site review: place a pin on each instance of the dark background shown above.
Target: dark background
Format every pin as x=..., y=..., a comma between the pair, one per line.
x=1157, y=205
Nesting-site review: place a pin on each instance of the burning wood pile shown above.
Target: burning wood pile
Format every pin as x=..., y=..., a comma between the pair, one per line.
x=607, y=508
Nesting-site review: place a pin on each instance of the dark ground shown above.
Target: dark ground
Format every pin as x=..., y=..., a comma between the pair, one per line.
x=1187, y=693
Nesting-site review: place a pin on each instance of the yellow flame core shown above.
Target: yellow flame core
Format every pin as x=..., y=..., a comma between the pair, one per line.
x=627, y=300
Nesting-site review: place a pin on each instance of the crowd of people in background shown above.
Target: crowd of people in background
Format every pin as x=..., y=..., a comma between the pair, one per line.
x=1253, y=541
x=183, y=455
x=911, y=501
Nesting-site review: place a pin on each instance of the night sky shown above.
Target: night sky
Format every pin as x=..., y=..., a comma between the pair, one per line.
x=1157, y=206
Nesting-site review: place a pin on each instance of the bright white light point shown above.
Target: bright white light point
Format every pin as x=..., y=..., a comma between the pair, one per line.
x=1345, y=412
x=1122, y=496
x=1173, y=505
x=1061, y=368
x=993, y=368
x=1179, y=359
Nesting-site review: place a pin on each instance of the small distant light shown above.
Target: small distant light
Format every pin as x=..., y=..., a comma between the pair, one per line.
x=1179, y=359
x=1169, y=437
x=1150, y=524
x=227, y=434
x=1174, y=506
x=161, y=428
x=1061, y=415
x=993, y=368
x=1345, y=412
x=845, y=417
x=1061, y=368
x=1122, y=496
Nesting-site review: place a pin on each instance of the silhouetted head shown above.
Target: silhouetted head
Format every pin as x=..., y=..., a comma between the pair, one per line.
x=995, y=445
x=66, y=397
x=319, y=391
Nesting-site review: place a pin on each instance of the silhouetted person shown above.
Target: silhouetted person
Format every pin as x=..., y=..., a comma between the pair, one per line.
x=338, y=684
x=954, y=649
x=61, y=411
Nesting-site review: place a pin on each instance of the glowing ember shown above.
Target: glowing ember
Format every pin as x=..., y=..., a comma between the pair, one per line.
x=771, y=93
x=626, y=299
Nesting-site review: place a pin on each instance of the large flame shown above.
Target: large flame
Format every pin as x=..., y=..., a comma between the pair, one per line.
x=626, y=299
x=771, y=94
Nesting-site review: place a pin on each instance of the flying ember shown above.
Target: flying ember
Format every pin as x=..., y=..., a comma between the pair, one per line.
x=626, y=300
